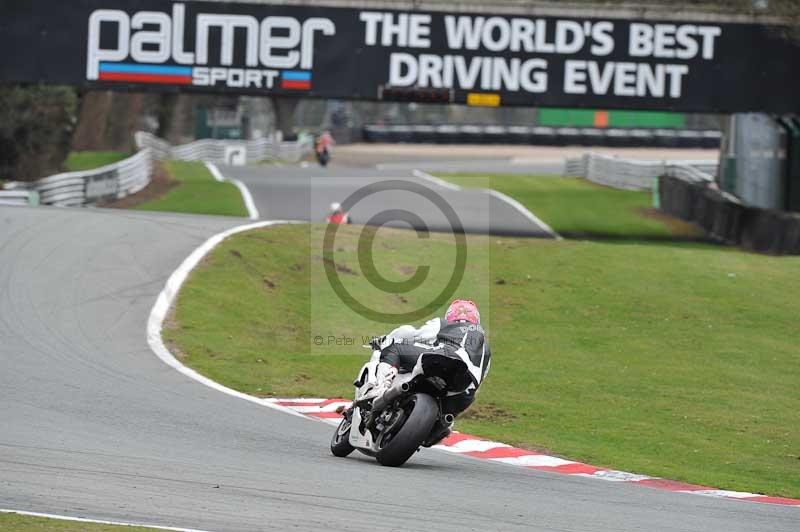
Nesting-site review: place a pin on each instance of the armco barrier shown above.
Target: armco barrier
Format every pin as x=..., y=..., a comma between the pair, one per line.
x=120, y=179
x=74, y=189
x=212, y=150
x=19, y=197
x=635, y=175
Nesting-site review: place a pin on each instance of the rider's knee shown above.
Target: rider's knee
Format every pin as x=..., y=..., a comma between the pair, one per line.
x=390, y=355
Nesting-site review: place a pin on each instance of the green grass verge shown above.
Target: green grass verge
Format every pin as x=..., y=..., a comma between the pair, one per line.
x=674, y=360
x=579, y=208
x=24, y=523
x=197, y=193
x=89, y=160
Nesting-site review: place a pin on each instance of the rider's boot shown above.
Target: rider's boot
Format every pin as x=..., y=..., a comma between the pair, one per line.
x=385, y=374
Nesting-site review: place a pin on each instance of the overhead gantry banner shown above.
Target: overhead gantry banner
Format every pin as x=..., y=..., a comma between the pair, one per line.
x=422, y=56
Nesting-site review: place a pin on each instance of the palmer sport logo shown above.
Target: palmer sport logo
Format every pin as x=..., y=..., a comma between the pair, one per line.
x=149, y=47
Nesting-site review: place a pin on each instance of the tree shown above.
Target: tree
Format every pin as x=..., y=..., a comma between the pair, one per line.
x=285, y=107
x=36, y=125
x=107, y=120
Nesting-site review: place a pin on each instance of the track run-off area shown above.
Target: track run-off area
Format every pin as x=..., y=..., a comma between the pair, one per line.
x=93, y=424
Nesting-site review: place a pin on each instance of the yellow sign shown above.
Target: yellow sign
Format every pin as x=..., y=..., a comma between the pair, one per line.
x=483, y=99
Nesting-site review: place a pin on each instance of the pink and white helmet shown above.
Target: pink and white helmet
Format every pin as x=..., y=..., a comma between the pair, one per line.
x=463, y=310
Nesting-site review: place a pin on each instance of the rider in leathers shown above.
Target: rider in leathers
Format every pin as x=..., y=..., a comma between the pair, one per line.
x=459, y=328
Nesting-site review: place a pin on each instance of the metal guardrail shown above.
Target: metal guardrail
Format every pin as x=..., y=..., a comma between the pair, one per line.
x=635, y=175
x=120, y=179
x=86, y=187
x=221, y=151
x=695, y=173
x=19, y=197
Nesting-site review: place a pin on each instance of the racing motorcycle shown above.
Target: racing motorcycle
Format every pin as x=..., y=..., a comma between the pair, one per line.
x=393, y=426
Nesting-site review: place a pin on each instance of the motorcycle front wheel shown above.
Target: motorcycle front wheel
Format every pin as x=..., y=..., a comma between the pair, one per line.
x=340, y=443
x=399, y=442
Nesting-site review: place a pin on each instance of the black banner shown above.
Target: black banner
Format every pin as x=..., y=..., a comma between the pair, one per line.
x=378, y=54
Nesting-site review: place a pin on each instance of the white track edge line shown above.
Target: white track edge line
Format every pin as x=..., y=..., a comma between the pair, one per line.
x=252, y=210
x=433, y=179
x=97, y=521
x=524, y=211
x=519, y=207
x=167, y=296
x=215, y=173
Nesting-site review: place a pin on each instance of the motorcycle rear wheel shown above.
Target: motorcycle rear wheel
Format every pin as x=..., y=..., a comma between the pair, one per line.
x=396, y=446
x=340, y=443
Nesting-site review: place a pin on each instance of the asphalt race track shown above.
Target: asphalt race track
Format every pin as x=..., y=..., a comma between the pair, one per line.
x=93, y=424
x=295, y=193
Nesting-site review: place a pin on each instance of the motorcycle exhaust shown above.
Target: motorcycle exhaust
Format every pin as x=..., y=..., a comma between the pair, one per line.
x=448, y=419
x=390, y=395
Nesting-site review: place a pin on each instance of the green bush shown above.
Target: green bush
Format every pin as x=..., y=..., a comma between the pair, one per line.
x=35, y=130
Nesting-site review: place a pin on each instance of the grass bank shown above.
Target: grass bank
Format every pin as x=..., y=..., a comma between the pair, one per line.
x=24, y=523
x=674, y=360
x=579, y=208
x=197, y=192
x=89, y=160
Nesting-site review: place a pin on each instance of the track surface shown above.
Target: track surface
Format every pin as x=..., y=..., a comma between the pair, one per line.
x=294, y=193
x=92, y=424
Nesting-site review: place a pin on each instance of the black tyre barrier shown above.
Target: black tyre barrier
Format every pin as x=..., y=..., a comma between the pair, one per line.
x=676, y=197
x=447, y=134
x=425, y=134
x=542, y=135
x=726, y=220
x=764, y=233
x=545, y=136
x=706, y=206
x=697, y=205
x=667, y=138
x=773, y=232
x=522, y=133
x=792, y=241
x=665, y=195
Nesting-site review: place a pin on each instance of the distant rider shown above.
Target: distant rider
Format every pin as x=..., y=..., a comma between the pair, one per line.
x=460, y=327
x=337, y=215
x=324, y=146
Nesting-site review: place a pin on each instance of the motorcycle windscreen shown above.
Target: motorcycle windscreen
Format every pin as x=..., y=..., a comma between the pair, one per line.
x=451, y=370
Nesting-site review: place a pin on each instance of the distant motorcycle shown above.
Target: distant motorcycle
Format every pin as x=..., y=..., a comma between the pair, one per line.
x=323, y=147
x=393, y=426
x=323, y=157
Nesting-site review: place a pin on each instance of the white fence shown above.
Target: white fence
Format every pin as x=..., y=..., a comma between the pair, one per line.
x=219, y=151
x=635, y=175
x=120, y=179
